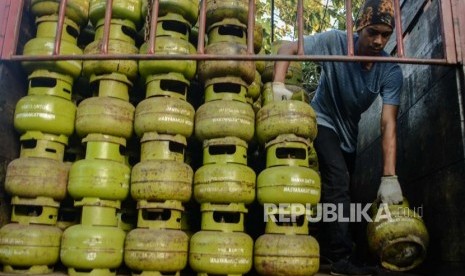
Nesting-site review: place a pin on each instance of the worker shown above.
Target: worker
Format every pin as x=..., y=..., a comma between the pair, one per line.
x=344, y=92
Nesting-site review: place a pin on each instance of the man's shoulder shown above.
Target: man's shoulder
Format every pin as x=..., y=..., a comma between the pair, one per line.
x=327, y=42
x=391, y=66
x=334, y=34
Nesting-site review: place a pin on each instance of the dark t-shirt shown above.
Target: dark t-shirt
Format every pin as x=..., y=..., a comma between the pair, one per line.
x=345, y=91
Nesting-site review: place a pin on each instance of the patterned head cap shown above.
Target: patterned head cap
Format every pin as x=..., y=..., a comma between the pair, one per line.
x=376, y=12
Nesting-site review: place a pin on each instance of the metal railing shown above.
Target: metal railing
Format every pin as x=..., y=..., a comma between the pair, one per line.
x=11, y=13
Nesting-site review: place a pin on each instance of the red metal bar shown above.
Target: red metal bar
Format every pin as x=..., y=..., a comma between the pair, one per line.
x=250, y=27
x=350, y=28
x=448, y=33
x=235, y=57
x=458, y=10
x=13, y=10
x=300, y=26
x=4, y=6
x=59, y=31
x=272, y=21
x=202, y=23
x=106, y=27
x=399, y=32
x=153, y=26
x=10, y=41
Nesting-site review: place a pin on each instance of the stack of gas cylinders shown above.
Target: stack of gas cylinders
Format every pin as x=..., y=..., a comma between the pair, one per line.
x=161, y=182
x=288, y=187
x=104, y=121
x=198, y=127
x=45, y=119
x=225, y=123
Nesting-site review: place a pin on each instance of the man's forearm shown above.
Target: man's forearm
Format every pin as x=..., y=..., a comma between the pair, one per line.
x=280, y=67
x=389, y=145
x=280, y=70
x=389, y=138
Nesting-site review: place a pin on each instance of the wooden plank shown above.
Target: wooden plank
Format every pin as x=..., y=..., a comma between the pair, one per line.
x=13, y=83
x=410, y=10
x=425, y=39
x=441, y=194
x=430, y=133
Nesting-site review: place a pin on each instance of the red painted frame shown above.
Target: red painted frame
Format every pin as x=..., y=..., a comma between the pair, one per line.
x=453, y=26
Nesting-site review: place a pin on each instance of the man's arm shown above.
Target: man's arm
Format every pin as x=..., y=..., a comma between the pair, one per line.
x=389, y=138
x=280, y=67
x=389, y=190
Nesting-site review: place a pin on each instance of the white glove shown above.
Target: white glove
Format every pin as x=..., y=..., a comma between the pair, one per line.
x=389, y=190
x=280, y=92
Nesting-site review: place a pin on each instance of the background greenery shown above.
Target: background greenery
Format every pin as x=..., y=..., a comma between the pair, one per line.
x=319, y=15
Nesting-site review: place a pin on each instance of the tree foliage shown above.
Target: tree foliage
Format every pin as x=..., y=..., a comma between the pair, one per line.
x=318, y=16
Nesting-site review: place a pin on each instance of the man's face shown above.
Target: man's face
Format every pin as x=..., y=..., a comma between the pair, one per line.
x=373, y=38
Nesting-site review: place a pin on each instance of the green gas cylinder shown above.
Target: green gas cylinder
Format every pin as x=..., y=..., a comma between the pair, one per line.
x=188, y=9
x=76, y=10
x=103, y=173
x=29, y=248
x=168, y=45
x=221, y=247
x=222, y=118
x=42, y=145
x=210, y=69
x=43, y=82
x=225, y=88
x=164, y=115
x=219, y=10
x=398, y=236
x=102, y=67
x=158, y=244
x=224, y=176
x=281, y=254
x=47, y=27
x=94, y=247
x=45, y=113
x=35, y=176
x=227, y=31
x=105, y=115
x=122, y=9
x=285, y=117
x=45, y=46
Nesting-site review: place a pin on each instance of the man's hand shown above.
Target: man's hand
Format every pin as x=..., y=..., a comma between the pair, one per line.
x=389, y=190
x=280, y=92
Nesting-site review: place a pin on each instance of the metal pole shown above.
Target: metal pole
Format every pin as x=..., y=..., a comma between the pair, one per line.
x=59, y=30
x=350, y=26
x=448, y=31
x=399, y=32
x=106, y=27
x=300, y=26
x=342, y=58
x=153, y=26
x=202, y=24
x=272, y=21
x=251, y=27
